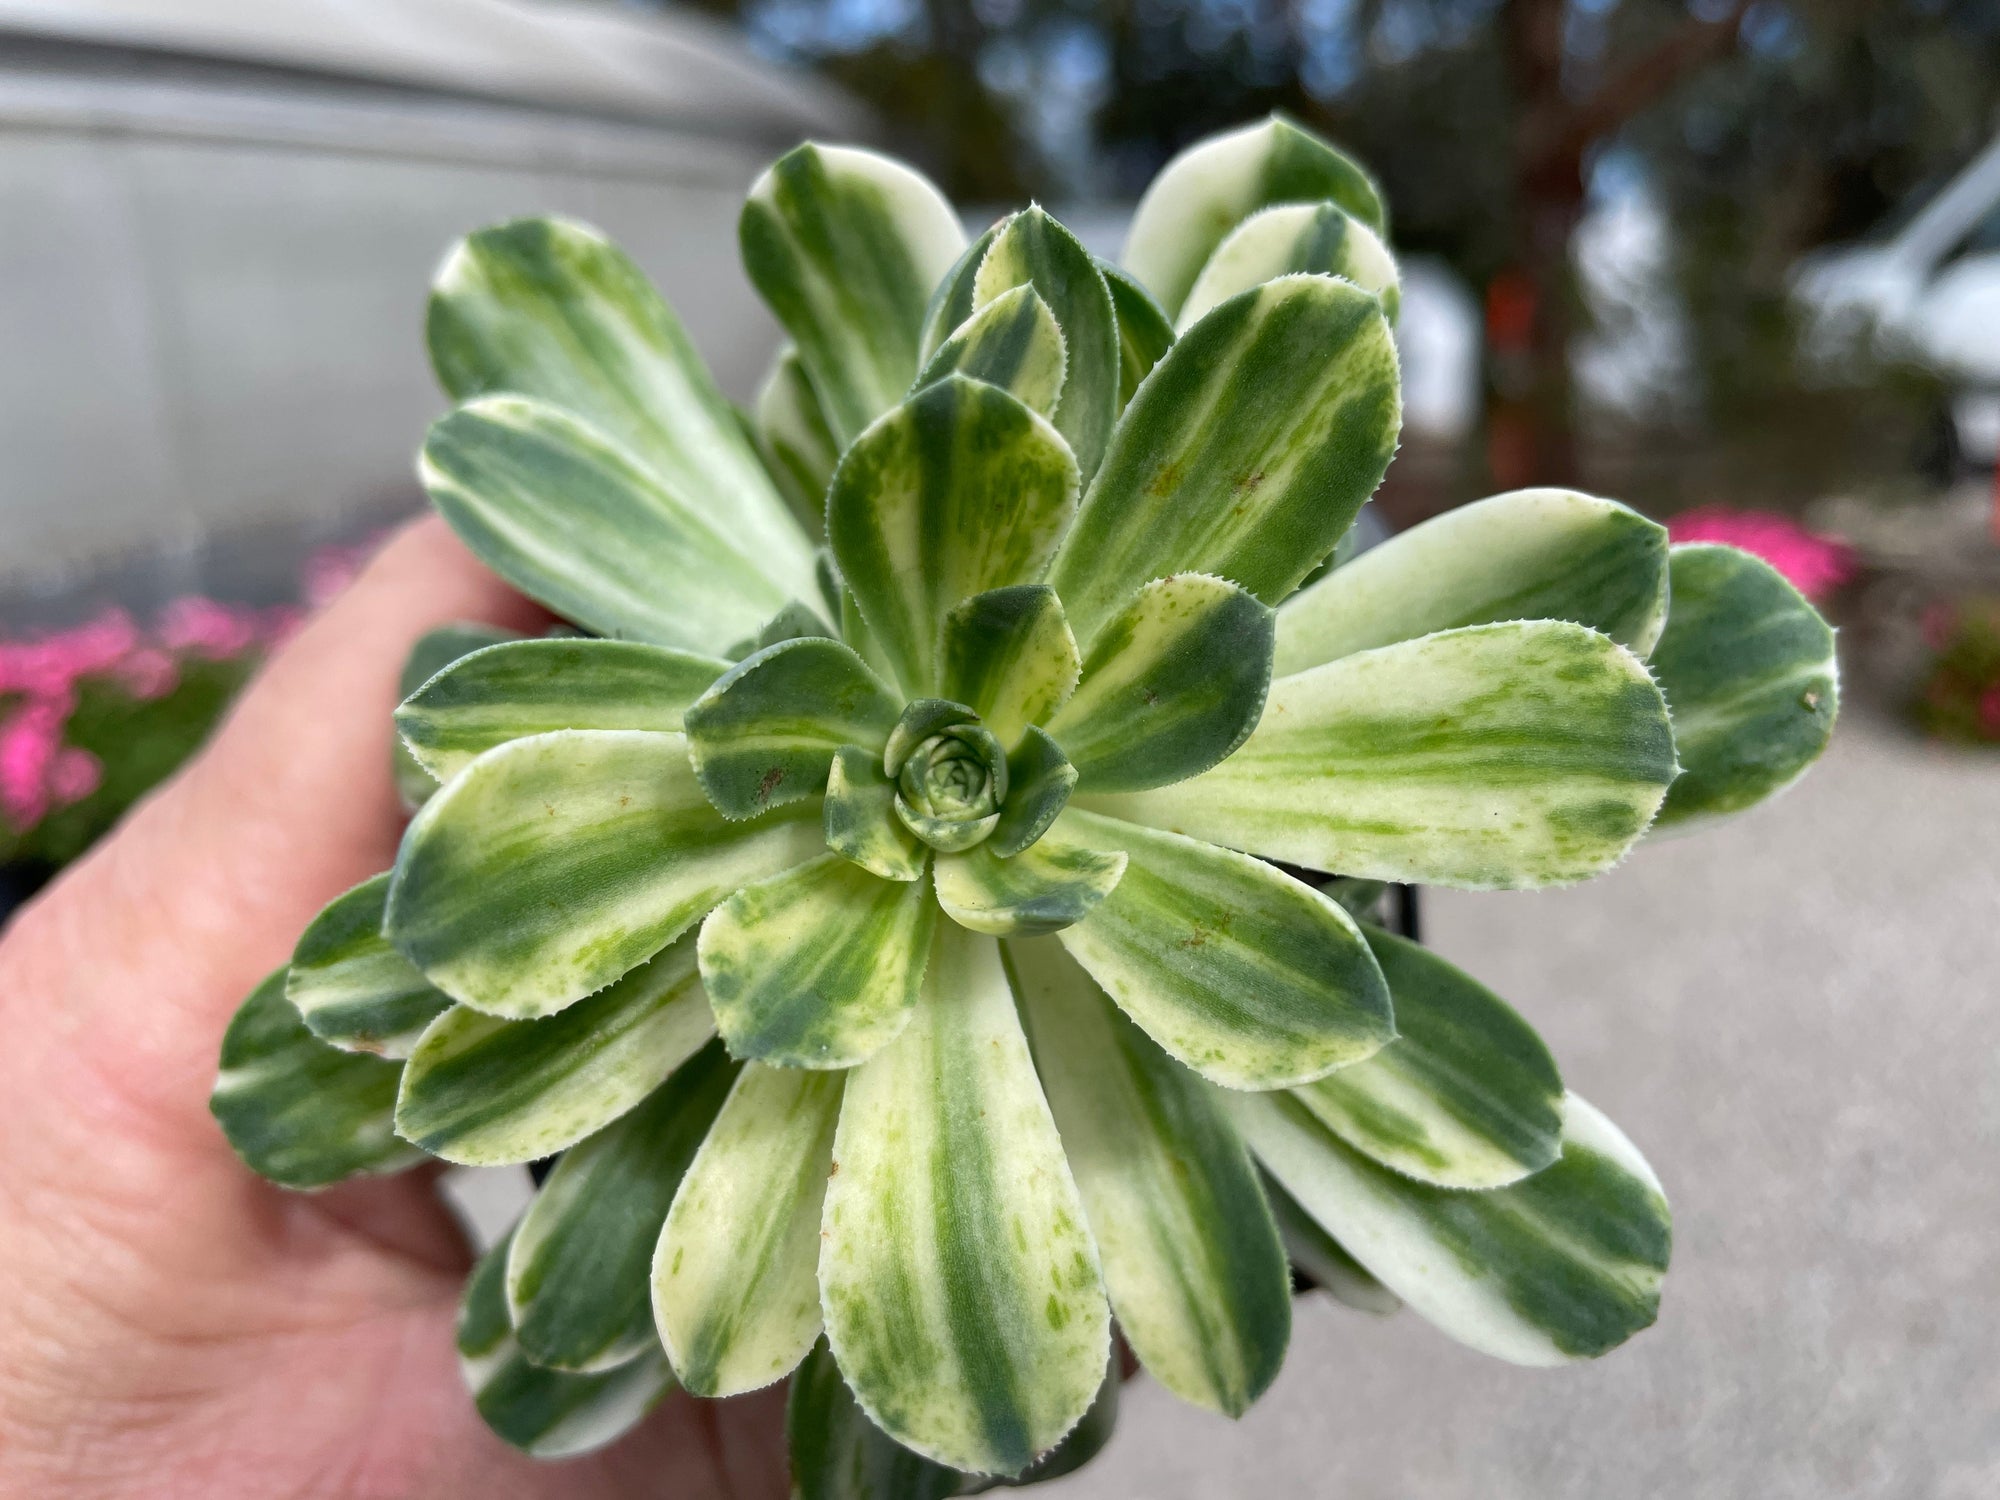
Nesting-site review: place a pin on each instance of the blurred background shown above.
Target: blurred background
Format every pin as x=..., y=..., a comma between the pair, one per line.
x=1737, y=264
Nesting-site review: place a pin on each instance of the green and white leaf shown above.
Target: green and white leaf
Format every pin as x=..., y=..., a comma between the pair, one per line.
x=837, y=1453
x=1321, y=1256
x=946, y=1158
x=1033, y=249
x=351, y=987
x=1009, y=656
x=1174, y=682
x=1253, y=979
x=1526, y=555
x=485, y=1092
x=959, y=490
x=551, y=309
x=1748, y=667
x=1145, y=333
x=951, y=301
x=736, y=1273
x=861, y=822
x=845, y=246
x=1013, y=342
x=798, y=445
x=1246, y=453
x=1044, y=888
x=573, y=520
x=1214, y=185
x=1562, y=1266
x=434, y=651
x=551, y=866
x=1493, y=757
x=547, y=1413
x=1040, y=780
x=764, y=733
x=1316, y=238
x=817, y=967
x=298, y=1111
x=576, y=1276
x=1467, y=1096
x=522, y=688
x=1191, y=1258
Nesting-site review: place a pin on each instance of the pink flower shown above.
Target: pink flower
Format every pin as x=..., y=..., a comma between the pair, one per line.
x=148, y=673
x=204, y=628
x=29, y=742
x=73, y=775
x=1815, y=565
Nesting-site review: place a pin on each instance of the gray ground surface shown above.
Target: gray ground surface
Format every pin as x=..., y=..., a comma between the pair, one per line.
x=1797, y=1017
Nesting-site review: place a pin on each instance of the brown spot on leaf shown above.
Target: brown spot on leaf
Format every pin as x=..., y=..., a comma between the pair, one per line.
x=769, y=783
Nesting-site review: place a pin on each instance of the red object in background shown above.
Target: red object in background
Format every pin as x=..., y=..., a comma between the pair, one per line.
x=1815, y=565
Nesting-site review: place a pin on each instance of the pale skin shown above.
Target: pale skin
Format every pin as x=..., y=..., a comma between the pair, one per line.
x=172, y=1326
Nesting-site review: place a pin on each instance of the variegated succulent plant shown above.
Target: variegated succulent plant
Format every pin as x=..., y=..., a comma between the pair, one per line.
x=925, y=898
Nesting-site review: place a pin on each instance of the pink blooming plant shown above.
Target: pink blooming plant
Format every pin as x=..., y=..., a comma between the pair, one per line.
x=1815, y=565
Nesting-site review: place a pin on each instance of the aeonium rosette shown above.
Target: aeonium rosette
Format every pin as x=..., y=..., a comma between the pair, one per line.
x=891, y=935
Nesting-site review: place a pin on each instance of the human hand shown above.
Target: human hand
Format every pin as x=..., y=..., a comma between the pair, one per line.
x=174, y=1326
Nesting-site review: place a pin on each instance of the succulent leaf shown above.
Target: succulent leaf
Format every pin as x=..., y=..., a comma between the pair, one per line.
x=1494, y=757
x=946, y=1158
x=1467, y=1095
x=817, y=967
x=1013, y=342
x=735, y=1278
x=845, y=246
x=1217, y=183
x=571, y=519
x=764, y=734
x=351, y=987
x=1144, y=332
x=485, y=1092
x=298, y=1111
x=1564, y=1265
x=1033, y=249
x=798, y=445
x=1526, y=555
x=1323, y=1258
x=1009, y=656
x=576, y=1275
x=958, y=490
x=551, y=866
x=1041, y=889
x=1246, y=453
x=522, y=688
x=838, y=1453
x=433, y=652
x=1039, y=782
x=1749, y=670
x=551, y=309
x=1318, y=238
x=951, y=302
x=1191, y=1258
x=861, y=822
x=547, y=1413
x=1250, y=977
x=1174, y=682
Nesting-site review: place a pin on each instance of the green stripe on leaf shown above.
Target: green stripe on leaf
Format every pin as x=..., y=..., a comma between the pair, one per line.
x=1013, y=342
x=433, y=652
x=1317, y=238
x=1009, y=656
x=1041, y=889
x=1145, y=333
x=351, y=987
x=798, y=445
x=861, y=822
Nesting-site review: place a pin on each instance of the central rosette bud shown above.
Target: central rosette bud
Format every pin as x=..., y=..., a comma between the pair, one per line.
x=950, y=773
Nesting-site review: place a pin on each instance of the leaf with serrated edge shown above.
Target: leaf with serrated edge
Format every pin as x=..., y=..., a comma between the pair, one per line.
x=837, y=1453
x=549, y=308
x=1191, y=1258
x=1495, y=757
x=1172, y=684
x=946, y=1158
x=861, y=822
x=1044, y=888
x=571, y=519
x=1749, y=671
x=798, y=446
x=1467, y=1096
x=298, y=1111
x=351, y=987
x=484, y=1092
x=1217, y=183
x=764, y=733
x=1145, y=333
x=1246, y=453
x=552, y=865
x=1040, y=780
x=735, y=1277
x=959, y=490
x=1526, y=555
x=1321, y=1256
x=951, y=301
x=576, y=1277
x=1564, y=1265
x=1009, y=656
x=434, y=651
x=523, y=688
x=844, y=246
x=818, y=967
x=1319, y=238
x=548, y=1413
x=1012, y=342
x=1032, y=249
x=1250, y=977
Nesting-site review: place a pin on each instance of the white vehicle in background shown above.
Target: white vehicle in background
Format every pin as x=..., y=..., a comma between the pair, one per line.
x=1928, y=292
